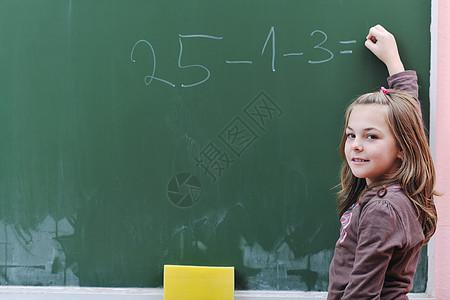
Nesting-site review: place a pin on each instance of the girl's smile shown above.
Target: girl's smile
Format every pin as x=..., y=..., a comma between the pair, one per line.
x=357, y=160
x=371, y=149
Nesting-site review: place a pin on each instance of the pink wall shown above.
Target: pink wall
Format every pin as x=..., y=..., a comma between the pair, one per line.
x=442, y=237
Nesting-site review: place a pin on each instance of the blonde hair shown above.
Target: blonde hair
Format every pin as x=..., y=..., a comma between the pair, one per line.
x=416, y=175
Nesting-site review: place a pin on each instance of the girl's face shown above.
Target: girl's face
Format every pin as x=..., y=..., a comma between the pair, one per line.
x=371, y=150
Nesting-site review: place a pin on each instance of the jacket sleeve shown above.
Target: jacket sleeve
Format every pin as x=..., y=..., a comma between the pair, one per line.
x=405, y=81
x=380, y=231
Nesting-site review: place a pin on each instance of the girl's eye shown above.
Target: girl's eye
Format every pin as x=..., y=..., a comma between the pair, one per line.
x=350, y=136
x=372, y=137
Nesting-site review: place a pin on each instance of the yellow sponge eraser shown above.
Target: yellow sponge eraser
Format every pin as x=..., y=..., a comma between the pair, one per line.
x=198, y=283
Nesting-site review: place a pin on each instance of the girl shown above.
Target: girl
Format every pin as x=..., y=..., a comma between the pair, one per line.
x=387, y=179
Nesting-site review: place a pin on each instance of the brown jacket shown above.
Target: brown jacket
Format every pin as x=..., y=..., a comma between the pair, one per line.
x=378, y=249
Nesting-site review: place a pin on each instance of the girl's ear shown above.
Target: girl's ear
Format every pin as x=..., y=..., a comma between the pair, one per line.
x=400, y=154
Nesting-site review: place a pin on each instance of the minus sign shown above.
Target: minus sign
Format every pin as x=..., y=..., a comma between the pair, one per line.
x=239, y=62
x=293, y=54
x=346, y=52
x=348, y=42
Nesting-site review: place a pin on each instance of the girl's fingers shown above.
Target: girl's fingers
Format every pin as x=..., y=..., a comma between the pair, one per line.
x=376, y=32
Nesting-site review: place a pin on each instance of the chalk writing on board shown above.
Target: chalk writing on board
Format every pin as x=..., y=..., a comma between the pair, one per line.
x=319, y=46
x=270, y=42
x=346, y=43
x=194, y=66
x=149, y=78
x=238, y=61
x=271, y=34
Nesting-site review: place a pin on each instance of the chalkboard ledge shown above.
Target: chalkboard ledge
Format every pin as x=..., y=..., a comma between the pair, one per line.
x=70, y=293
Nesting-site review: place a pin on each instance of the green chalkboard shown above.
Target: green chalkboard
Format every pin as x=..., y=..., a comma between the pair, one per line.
x=141, y=133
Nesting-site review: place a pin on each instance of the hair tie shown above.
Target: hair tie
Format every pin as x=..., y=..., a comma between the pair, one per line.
x=384, y=90
x=382, y=191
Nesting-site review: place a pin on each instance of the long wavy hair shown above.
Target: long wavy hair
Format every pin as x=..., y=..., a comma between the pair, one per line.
x=416, y=175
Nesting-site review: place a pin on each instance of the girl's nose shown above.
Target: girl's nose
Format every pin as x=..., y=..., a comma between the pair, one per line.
x=357, y=145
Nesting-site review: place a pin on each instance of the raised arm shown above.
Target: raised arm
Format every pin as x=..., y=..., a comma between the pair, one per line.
x=383, y=45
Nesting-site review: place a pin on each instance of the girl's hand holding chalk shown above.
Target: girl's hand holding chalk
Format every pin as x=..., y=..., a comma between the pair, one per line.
x=382, y=43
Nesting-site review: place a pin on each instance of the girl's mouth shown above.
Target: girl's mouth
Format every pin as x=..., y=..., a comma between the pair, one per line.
x=359, y=160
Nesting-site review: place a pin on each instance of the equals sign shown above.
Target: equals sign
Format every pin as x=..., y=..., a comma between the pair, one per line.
x=346, y=43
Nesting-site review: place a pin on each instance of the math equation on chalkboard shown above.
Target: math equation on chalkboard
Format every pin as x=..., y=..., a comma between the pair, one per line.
x=268, y=46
